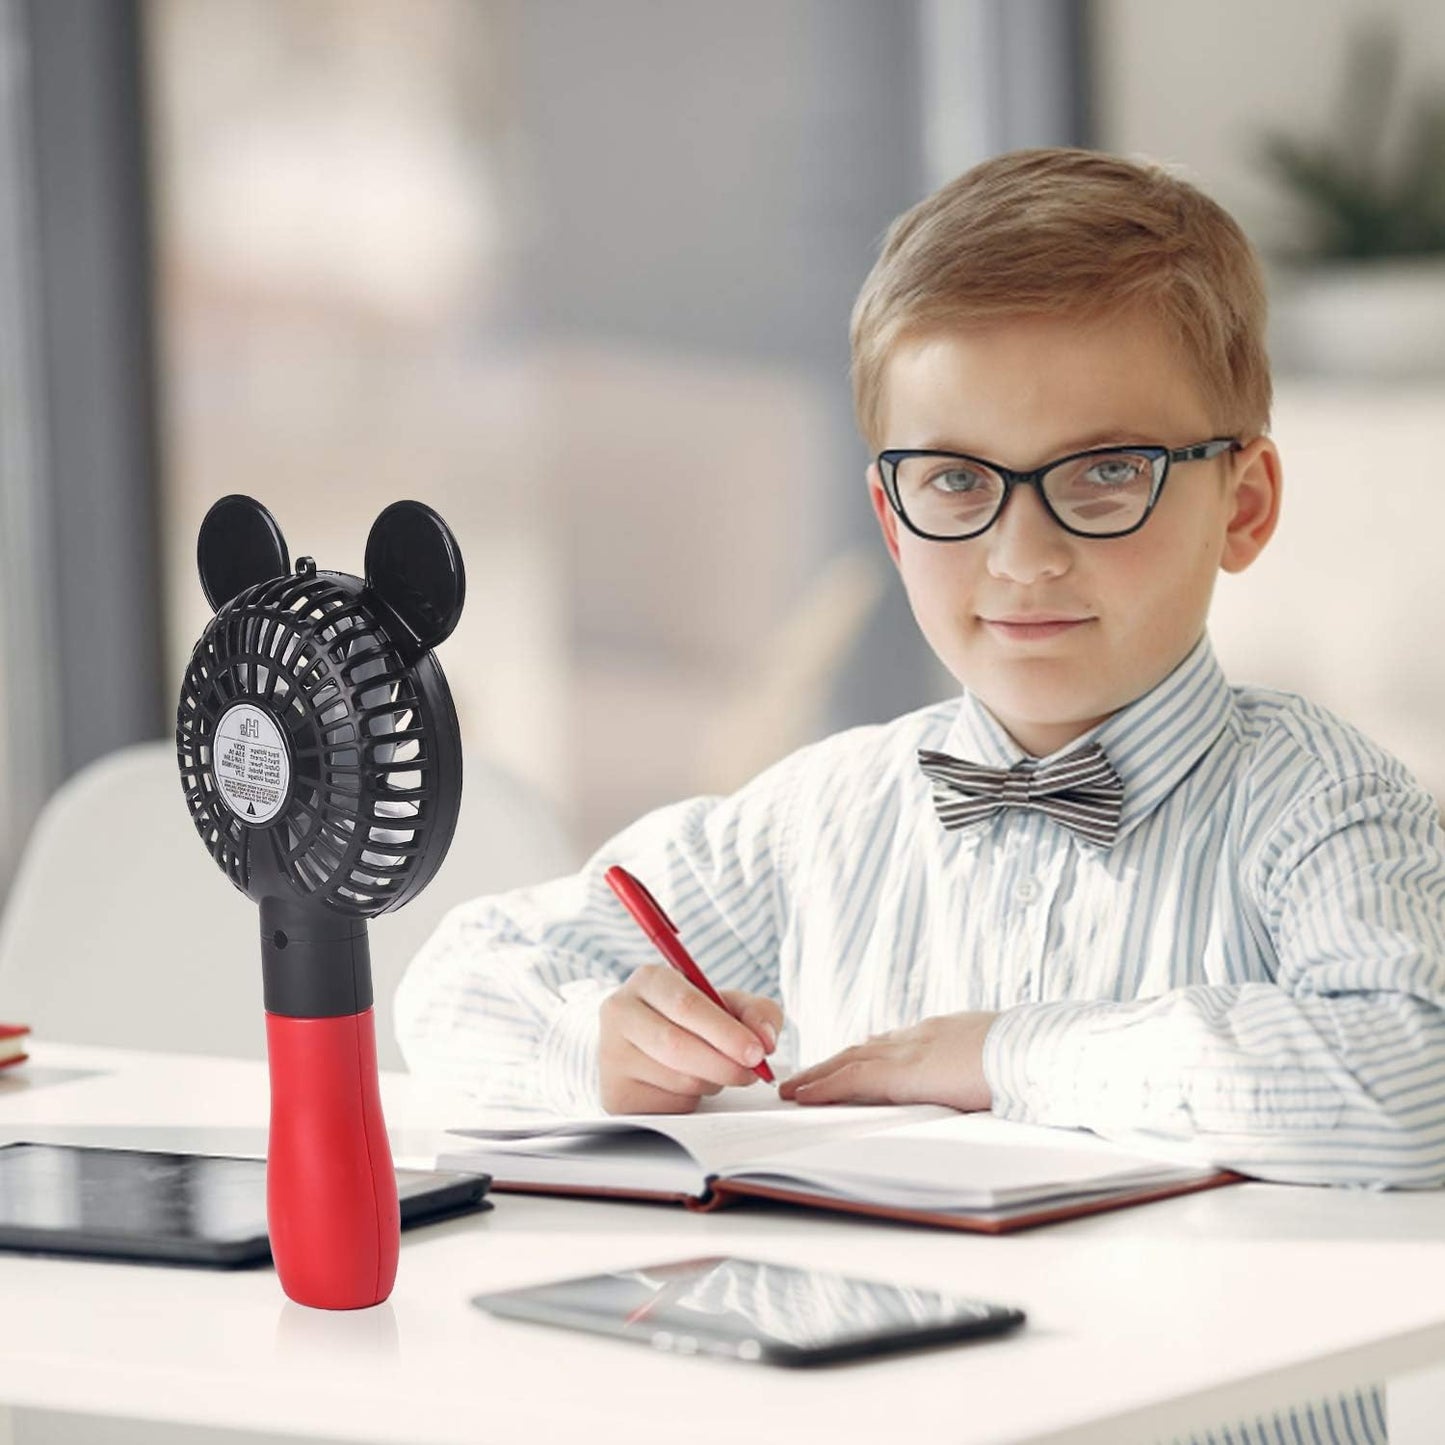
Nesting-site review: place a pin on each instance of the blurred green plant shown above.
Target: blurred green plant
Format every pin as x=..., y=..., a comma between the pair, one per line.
x=1356, y=205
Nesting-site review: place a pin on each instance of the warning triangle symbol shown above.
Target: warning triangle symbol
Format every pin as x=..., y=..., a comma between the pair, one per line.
x=251, y=809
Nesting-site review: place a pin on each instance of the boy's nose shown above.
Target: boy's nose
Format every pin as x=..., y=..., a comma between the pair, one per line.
x=1026, y=544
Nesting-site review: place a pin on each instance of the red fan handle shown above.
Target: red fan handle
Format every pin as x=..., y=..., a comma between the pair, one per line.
x=331, y=1204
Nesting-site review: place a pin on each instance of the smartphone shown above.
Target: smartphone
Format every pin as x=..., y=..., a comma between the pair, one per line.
x=750, y=1309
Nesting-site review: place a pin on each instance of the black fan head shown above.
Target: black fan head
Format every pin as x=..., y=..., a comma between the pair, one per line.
x=317, y=739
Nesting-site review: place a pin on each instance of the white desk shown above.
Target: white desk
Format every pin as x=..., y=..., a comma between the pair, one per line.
x=1143, y=1322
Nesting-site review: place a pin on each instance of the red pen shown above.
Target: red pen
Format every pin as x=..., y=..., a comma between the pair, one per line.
x=648, y=914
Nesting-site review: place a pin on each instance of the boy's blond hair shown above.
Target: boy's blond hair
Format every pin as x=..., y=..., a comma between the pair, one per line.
x=1076, y=233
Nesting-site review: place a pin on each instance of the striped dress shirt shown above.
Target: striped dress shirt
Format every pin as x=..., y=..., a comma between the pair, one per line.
x=1251, y=976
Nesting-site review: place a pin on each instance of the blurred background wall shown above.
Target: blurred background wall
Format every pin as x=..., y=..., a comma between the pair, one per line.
x=578, y=275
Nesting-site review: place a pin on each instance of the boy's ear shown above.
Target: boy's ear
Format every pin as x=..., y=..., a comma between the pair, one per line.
x=1253, y=501
x=887, y=517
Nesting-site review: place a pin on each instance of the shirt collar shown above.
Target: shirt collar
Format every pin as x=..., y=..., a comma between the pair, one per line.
x=1152, y=743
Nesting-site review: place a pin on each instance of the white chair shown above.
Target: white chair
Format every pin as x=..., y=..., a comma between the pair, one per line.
x=121, y=930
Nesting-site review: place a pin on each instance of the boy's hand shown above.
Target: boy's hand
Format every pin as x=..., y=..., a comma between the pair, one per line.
x=663, y=1045
x=938, y=1061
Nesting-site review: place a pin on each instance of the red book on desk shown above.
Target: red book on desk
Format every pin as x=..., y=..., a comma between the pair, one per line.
x=12, y=1044
x=921, y=1164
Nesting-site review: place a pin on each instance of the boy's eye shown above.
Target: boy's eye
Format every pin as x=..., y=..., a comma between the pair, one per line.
x=1115, y=471
x=958, y=479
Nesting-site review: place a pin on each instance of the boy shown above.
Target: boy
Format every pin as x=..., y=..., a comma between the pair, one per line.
x=1100, y=889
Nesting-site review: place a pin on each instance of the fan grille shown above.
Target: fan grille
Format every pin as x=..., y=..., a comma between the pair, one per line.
x=364, y=779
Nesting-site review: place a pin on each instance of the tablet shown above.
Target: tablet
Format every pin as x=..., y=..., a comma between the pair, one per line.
x=754, y=1310
x=199, y=1209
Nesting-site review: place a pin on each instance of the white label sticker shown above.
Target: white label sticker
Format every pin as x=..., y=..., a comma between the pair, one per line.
x=250, y=762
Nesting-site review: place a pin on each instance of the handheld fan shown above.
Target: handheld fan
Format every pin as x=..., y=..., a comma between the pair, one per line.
x=322, y=764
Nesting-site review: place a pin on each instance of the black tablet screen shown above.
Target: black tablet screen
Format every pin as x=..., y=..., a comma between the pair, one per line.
x=181, y=1207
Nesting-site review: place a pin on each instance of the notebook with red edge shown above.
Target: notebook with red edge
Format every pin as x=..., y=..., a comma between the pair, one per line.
x=12, y=1044
x=919, y=1164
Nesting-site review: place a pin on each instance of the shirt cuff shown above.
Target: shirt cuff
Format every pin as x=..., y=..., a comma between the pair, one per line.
x=570, y=1082
x=1065, y=1064
x=1145, y=1064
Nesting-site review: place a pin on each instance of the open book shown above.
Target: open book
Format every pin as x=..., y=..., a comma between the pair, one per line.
x=919, y=1162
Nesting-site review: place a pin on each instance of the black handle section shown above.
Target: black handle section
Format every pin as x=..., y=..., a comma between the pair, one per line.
x=315, y=964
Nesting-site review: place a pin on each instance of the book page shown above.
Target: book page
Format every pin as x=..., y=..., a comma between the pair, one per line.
x=634, y=1159
x=965, y=1161
x=916, y=1156
x=728, y=1131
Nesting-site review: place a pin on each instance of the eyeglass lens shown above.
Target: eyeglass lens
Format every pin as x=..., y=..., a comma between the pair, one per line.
x=1099, y=494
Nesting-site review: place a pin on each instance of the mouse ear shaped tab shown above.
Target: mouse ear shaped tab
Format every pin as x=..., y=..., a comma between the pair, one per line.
x=413, y=564
x=239, y=545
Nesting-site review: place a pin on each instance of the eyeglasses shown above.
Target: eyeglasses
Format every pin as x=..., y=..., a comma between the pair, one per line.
x=1105, y=492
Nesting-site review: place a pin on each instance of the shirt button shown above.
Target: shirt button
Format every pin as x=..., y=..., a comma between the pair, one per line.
x=1027, y=891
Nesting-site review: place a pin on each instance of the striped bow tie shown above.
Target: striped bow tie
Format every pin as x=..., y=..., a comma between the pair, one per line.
x=1081, y=791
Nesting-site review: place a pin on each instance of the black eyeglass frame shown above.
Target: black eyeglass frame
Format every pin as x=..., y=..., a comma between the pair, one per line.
x=887, y=463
